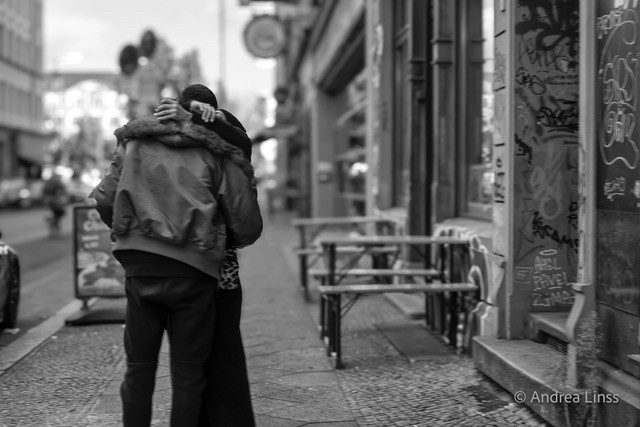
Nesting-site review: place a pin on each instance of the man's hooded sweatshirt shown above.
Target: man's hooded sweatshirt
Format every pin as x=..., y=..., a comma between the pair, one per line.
x=179, y=191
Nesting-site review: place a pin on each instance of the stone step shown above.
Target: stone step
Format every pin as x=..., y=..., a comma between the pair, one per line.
x=551, y=323
x=532, y=369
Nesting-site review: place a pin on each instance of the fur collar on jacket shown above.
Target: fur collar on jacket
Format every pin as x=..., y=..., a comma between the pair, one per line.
x=177, y=135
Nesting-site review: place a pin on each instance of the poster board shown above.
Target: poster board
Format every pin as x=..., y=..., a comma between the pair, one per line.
x=96, y=273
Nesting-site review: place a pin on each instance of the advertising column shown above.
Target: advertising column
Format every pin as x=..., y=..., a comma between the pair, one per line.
x=96, y=272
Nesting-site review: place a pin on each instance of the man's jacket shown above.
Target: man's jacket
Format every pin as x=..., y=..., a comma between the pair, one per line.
x=179, y=191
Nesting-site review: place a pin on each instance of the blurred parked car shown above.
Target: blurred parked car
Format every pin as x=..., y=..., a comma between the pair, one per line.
x=9, y=286
x=78, y=191
x=36, y=193
x=14, y=192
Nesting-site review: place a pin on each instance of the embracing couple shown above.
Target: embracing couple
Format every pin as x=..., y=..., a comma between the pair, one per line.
x=180, y=199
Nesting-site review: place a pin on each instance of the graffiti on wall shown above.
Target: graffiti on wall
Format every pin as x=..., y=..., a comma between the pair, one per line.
x=500, y=136
x=550, y=280
x=617, y=31
x=618, y=154
x=546, y=151
x=617, y=267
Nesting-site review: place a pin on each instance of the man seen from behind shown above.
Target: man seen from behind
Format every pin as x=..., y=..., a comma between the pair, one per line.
x=175, y=197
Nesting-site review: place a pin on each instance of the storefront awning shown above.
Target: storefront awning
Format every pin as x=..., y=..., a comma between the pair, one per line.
x=32, y=148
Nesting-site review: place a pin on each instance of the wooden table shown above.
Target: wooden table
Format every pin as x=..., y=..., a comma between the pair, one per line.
x=330, y=247
x=331, y=310
x=310, y=228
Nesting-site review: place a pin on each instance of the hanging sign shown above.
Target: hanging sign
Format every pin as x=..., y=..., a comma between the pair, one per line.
x=264, y=36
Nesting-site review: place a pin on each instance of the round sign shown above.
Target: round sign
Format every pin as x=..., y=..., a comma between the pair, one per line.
x=264, y=36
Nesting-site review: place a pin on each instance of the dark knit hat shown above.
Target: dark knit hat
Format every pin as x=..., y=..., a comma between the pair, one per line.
x=197, y=92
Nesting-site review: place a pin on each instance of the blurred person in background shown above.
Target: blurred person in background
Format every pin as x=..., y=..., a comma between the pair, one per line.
x=55, y=198
x=176, y=196
x=227, y=397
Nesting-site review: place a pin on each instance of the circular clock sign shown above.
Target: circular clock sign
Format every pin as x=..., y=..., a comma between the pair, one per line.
x=264, y=36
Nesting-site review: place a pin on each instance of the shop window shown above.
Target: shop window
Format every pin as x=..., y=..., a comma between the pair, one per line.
x=351, y=163
x=401, y=137
x=38, y=59
x=476, y=58
x=9, y=51
x=3, y=49
x=352, y=170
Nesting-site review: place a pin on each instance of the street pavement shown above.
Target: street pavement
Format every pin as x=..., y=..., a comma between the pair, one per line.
x=26, y=225
x=71, y=378
x=45, y=264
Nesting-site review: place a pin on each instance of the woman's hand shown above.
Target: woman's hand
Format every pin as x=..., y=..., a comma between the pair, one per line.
x=220, y=115
x=206, y=111
x=169, y=109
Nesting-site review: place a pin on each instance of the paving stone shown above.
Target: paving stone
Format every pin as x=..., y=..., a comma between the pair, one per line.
x=73, y=378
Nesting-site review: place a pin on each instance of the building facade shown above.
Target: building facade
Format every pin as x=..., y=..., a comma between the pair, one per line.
x=512, y=124
x=82, y=111
x=22, y=137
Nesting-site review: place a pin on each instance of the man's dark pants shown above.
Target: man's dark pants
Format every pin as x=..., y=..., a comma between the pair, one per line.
x=185, y=307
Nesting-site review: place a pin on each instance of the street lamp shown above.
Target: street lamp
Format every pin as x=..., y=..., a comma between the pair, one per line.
x=222, y=40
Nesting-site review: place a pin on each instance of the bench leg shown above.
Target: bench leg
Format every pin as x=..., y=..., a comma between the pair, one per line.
x=380, y=261
x=304, y=273
x=323, y=317
x=329, y=323
x=427, y=310
x=453, y=319
x=337, y=345
x=441, y=313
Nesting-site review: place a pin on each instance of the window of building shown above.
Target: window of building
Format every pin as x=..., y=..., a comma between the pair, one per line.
x=3, y=98
x=2, y=41
x=10, y=46
x=401, y=143
x=7, y=44
x=22, y=104
x=475, y=59
x=19, y=51
x=352, y=166
x=38, y=59
x=11, y=99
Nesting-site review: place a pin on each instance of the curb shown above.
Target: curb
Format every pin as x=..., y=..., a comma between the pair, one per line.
x=35, y=336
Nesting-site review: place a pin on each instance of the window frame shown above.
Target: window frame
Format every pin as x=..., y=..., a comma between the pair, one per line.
x=401, y=144
x=469, y=40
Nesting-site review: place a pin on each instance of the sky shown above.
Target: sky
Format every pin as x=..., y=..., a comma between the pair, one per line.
x=81, y=35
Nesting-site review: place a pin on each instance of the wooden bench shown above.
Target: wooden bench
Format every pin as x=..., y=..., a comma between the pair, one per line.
x=321, y=273
x=309, y=252
x=331, y=312
x=331, y=291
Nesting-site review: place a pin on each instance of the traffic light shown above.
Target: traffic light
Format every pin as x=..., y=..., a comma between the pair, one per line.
x=129, y=59
x=148, y=44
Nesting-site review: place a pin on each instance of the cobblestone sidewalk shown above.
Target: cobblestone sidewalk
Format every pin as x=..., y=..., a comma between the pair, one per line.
x=72, y=378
